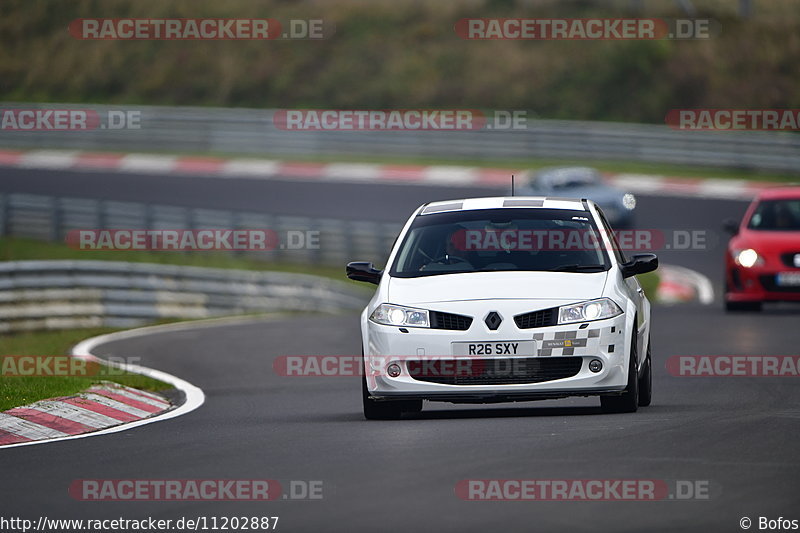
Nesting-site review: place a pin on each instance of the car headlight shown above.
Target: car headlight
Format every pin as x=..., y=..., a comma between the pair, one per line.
x=587, y=311
x=629, y=201
x=747, y=258
x=397, y=315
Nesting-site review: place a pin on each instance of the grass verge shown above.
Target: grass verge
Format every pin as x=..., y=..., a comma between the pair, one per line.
x=22, y=390
x=649, y=283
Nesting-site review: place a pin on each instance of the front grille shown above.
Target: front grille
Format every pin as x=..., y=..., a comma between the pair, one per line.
x=537, y=319
x=788, y=259
x=737, y=279
x=768, y=282
x=441, y=320
x=505, y=371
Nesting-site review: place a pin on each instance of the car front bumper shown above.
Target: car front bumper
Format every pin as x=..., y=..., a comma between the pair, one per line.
x=759, y=284
x=430, y=370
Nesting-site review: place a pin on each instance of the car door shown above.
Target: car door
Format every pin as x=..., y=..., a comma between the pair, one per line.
x=634, y=288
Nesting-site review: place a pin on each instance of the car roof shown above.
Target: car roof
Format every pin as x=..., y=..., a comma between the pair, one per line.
x=504, y=202
x=779, y=193
x=566, y=170
x=566, y=173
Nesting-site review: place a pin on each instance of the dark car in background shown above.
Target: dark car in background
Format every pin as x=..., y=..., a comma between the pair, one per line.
x=583, y=182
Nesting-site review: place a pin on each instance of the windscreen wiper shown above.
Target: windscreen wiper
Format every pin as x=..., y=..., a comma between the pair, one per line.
x=579, y=268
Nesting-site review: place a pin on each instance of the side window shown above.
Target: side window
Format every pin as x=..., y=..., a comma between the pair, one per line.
x=617, y=250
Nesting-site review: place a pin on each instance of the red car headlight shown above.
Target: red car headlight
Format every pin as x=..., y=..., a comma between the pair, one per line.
x=747, y=258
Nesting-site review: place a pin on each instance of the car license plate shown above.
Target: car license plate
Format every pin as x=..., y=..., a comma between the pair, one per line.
x=507, y=348
x=788, y=279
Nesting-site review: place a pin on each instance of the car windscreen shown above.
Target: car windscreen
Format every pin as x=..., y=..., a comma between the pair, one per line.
x=572, y=182
x=776, y=215
x=492, y=240
x=568, y=179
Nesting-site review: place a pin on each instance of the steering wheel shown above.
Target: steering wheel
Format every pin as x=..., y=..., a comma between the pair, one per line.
x=450, y=260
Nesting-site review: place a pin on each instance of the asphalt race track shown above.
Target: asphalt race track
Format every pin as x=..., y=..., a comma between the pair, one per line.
x=278, y=197
x=735, y=434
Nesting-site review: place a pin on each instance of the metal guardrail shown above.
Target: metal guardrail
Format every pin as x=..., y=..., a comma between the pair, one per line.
x=69, y=294
x=252, y=132
x=50, y=218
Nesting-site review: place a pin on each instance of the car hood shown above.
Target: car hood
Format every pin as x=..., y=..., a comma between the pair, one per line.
x=496, y=285
x=767, y=241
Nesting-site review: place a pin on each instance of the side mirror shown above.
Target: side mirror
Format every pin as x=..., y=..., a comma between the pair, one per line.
x=639, y=264
x=364, y=271
x=731, y=226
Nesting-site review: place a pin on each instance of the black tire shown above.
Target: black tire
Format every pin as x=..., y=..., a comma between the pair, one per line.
x=412, y=406
x=375, y=410
x=646, y=380
x=628, y=401
x=736, y=307
x=386, y=409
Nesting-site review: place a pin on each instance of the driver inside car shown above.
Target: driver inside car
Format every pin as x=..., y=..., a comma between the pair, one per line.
x=450, y=253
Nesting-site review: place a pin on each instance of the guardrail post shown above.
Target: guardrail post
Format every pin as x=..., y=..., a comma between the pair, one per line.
x=237, y=224
x=349, y=243
x=149, y=216
x=102, y=218
x=56, y=219
x=316, y=253
x=4, y=215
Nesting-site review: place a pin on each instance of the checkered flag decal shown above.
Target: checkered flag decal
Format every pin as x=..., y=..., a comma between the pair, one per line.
x=577, y=342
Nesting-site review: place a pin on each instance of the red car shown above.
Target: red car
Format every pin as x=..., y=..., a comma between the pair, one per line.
x=762, y=263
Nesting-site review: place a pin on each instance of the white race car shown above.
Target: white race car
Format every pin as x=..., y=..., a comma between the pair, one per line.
x=505, y=299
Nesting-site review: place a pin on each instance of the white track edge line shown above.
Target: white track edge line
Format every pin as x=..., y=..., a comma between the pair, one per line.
x=701, y=283
x=194, y=395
